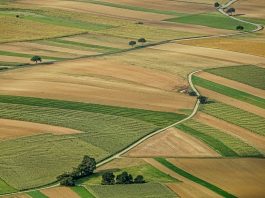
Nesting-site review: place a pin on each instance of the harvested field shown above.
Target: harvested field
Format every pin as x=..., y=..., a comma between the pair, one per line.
x=241, y=177
x=10, y=129
x=233, y=84
x=62, y=192
x=253, y=8
x=99, y=81
x=252, y=139
x=14, y=59
x=233, y=102
x=172, y=143
x=17, y=196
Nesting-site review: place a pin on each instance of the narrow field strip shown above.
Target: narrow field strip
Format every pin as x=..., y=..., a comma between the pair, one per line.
x=5, y=188
x=37, y=194
x=248, y=74
x=226, y=144
x=82, y=192
x=194, y=178
x=234, y=93
x=247, y=120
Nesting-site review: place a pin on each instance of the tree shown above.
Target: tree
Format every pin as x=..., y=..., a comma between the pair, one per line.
x=67, y=181
x=192, y=93
x=108, y=178
x=142, y=40
x=132, y=43
x=230, y=11
x=203, y=99
x=240, y=27
x=36, y=59
x=87, y=166
x=216, y=4
x=124, y=178
x=139, y=179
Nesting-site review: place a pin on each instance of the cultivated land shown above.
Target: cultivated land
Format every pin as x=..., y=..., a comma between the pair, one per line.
x=98, y=95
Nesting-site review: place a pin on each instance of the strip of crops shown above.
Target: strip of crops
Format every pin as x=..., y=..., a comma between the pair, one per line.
x=225, y=144
x=148, y=190
x=234, y=93
x=236, y=116
x=247, y=74
x=82, y=192
x=36, y=194
x=195, y=179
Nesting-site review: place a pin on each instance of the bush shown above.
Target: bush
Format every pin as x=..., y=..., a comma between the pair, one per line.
x=124, y=178
x=108, y=178
x=68, y=181
x=203, y=99
x=192, y=93
x=139, y=179
x=216, y=4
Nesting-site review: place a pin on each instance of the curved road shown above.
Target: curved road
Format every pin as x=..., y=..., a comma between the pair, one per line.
x=195, y=109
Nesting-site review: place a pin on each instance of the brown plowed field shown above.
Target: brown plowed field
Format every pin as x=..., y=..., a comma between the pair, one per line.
x=172, y=143
x=233, y=102
x=10, y=129
x=99, y=81
x=62, y=192
x=242, y=177
x=186, y=188
x=251, y=138
x=232, y=84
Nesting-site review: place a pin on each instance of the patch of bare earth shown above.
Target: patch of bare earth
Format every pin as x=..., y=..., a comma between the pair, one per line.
x=186, y=188
x=172, y=143
x=233, y=84
x=62, y=192
x=99, y=81
x=251, y=138
x=242, y=177
x=10, y=129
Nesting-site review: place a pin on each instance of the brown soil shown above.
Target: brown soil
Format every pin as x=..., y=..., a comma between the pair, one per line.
x=14, y=59
x=251, y=138
x=62, y=192
x=172, y=143
x=232, y=84
x=242, y=177
x=10, y=129
x=233, y=102
x=186, y=188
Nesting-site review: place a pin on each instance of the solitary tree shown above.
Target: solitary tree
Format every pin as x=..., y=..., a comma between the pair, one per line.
x=240, y=27
x=36, y=59
x=139, y=179
x=230, y=11
x=142, y=40
x=124, y=178
x=108, y=178
x=216, y=4
x=203, y=99
x=132, y=43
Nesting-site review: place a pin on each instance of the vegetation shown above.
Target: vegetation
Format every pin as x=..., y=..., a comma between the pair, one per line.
x=240, y=27
x=233, y=93
x=132, y=43
x=142, y=40
x=36, y=59
x=212, y=20
x=236, y=116
x=203, y=99
x=216, y=5
x=225, y=144
x=195, y=179
x=36, y=194
x=154, y=190
x=230, y=11
x=82, y=192
x=248, y=74
x=5, y=188
x=108, y=178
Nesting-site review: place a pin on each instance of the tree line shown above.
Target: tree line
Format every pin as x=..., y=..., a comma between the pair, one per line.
x=108, y=178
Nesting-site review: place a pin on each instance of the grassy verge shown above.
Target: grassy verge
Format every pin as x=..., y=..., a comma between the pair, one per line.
x=215, y=20
x=248, y=74
x=223, y=143
x=236, y=116
x=82, y=192
x=36, y=194
x=233, y=93
x=195, y=179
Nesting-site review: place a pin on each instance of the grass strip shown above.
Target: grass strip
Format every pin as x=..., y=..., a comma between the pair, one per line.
x=194, y=178
x=82, y=192
x=36, y=194
x=233, y=93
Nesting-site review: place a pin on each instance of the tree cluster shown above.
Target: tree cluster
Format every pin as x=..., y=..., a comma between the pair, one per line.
x=108, y=178
x=84, y=169
x=140, y=40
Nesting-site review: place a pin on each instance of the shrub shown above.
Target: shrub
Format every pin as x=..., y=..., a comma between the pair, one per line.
x=124, y=178
x=108, y=178
x=139, y=179
x=203, y=99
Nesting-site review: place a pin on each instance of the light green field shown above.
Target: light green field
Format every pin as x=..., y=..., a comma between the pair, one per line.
x=225, y=144
x=36, y=194
x=149, y=190
x=236, y=116
x=82, y=192
x=247, y=74
x=5, y=188
x=215, y=20
x=233, y=93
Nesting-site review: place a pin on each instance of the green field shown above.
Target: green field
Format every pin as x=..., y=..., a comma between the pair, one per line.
x=215, y=20
x=233, y=93
x=82, y=192
x=36, y=194
x=150, y=174
x=225, y=144
x=247, y=74
x=195, y=179
x=149, y=190
x=5, y=188
x=236, y=116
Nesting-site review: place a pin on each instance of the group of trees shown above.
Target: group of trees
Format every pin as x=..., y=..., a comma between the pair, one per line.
x=140, y=40
x=84, y=169
x=108, y=178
